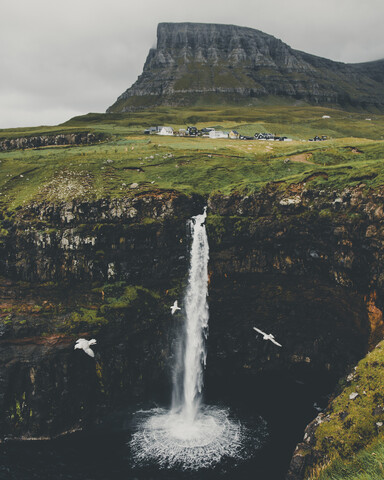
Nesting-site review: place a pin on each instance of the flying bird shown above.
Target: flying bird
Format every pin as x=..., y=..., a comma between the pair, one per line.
x=175, y=307
x=85, y=345
x=267, y=336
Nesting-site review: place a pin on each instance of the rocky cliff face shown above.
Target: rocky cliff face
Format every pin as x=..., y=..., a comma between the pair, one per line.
x=305, y=264
x=49, y=140
x=209, y=63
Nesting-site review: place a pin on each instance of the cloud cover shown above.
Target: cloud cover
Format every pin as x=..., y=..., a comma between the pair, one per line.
x=61, y=59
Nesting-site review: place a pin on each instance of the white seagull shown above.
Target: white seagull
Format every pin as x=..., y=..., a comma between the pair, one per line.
x=267, y=336
x=174, y=307
x=85, y=345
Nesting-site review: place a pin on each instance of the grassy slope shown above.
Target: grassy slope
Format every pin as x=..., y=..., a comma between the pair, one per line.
x=368, y=464
x=194, y=165
x=353, y=434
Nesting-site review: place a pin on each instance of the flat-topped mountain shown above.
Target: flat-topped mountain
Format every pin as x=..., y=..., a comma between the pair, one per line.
x=197, y=64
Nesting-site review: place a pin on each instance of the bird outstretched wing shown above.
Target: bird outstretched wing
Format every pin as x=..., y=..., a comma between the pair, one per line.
x=259, y=331
x=175, y=307
x=274, y=341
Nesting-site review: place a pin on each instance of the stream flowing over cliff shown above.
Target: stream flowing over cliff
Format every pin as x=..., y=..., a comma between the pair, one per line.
x=306, y=265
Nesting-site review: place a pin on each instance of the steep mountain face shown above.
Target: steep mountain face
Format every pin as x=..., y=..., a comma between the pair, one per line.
x=210, y=64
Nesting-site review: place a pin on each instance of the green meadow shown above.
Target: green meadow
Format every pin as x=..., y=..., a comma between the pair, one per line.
x=128, y=161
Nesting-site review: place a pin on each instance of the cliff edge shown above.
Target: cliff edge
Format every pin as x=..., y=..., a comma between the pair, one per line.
x=197, y=64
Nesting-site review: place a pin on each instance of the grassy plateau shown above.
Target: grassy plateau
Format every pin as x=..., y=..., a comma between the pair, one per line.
x=353, y=152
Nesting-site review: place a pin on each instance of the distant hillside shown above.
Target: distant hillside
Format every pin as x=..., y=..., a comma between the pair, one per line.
x=201, y=64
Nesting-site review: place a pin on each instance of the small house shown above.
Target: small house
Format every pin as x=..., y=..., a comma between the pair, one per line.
x=218, y=134
x=166, y=131
x=151, y=130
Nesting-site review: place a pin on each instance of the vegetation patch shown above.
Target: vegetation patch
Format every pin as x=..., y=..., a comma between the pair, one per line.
x=355, y=418
x=131, y=163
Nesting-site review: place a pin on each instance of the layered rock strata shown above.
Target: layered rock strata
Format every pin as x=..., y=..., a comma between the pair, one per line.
x=304, y=264
x=200, y=64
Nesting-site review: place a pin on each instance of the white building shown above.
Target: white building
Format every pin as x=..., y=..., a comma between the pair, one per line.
x=166, y=131
x=218, y=134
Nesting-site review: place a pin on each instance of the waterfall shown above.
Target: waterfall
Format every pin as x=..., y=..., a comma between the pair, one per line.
x=196, y=322
x=191, y=436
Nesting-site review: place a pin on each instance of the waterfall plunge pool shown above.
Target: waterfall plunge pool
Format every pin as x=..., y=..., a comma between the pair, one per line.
x=104, y=453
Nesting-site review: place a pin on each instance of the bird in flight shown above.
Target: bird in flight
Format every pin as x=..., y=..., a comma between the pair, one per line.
x=267, y=336
x=175, y=307
x=85, y=345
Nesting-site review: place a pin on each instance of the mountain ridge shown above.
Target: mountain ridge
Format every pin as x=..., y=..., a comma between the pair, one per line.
x=216, y=63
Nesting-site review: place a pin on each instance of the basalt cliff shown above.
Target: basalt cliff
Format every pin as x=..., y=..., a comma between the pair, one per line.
x=111, y=268
x=200, y=64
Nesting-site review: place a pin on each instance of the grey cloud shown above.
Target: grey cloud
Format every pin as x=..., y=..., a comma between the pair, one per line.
x=63, y=59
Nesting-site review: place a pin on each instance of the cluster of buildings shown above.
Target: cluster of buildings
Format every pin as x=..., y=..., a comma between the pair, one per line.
x=210, y=132
x=318, y=139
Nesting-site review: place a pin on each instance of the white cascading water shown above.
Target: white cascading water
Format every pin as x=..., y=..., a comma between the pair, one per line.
x=196, y=326
x=190, y=435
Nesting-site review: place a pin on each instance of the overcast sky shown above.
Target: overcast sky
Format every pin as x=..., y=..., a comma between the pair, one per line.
x=61, y=58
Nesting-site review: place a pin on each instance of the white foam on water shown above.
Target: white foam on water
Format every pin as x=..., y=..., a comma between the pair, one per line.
x=170, y=440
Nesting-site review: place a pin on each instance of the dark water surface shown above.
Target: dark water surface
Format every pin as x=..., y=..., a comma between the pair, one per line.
x=285, y=402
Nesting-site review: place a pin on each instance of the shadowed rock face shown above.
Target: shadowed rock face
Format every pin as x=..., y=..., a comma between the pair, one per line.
x=208, y=63
x=111, y=269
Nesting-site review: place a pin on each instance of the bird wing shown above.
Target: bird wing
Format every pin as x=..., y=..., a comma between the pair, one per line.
x=80, y=342
x=175, y=304
x=259, y=331
x=274, y=341
x=89, y=351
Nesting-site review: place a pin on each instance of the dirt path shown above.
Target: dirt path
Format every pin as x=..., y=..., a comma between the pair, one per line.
x=302, y=158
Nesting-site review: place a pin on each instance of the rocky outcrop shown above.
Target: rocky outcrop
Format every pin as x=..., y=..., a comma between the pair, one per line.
x=50, y=140
x=212, y=64
x=307, y=264
x=351, y=423
x=130, y=239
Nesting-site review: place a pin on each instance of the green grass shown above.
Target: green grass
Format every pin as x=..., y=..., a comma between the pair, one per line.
x=299, y=122
x=351, y=426
x=193, y=165
x=366, y=465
